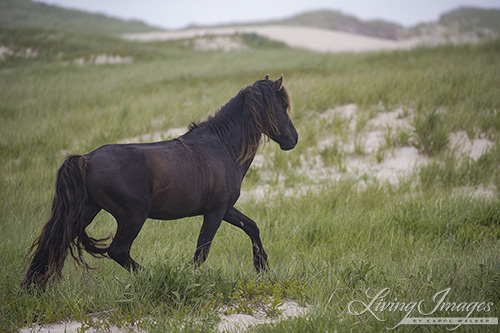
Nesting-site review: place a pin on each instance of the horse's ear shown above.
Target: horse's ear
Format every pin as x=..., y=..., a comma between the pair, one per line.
x=278, y=84
x=266, y=77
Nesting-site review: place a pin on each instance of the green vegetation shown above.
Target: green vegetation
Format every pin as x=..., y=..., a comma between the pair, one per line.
x=431, y=133
x=327, y=244
x=468, y=22
x=334, y=20
x=27, y=13
x=468, y=19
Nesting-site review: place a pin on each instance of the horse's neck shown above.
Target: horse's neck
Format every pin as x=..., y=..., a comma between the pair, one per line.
x=232, y=126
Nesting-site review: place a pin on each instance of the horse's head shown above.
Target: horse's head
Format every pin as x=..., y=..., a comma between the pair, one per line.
x=265, y=109
x=276, y=123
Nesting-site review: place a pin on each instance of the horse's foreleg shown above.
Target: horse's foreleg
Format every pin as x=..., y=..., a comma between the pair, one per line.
x=238, y=219
x=211, y=223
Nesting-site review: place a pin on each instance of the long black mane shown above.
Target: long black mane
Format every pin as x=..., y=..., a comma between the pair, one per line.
x=257, y=116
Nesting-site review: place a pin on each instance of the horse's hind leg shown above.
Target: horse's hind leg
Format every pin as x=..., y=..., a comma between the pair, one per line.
x=90, y=212
x=127, y=230
x=238, y=219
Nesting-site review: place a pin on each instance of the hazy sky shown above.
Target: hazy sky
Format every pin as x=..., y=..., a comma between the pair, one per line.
x=174, y=14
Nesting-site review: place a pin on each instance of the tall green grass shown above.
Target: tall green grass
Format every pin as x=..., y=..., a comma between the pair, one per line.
x=325, y=247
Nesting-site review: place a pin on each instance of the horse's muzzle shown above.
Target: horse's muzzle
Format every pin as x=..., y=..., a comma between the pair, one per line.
x=289, y=143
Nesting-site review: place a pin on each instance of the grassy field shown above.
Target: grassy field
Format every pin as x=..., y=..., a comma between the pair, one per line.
x=333, y=245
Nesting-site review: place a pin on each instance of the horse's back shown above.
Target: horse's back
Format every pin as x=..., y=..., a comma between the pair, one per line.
x=169, y=180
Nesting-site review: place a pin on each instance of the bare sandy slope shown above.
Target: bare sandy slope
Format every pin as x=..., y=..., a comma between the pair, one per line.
x=315, y=39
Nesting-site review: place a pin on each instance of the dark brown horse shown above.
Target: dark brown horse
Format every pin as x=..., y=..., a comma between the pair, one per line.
x=199, y=173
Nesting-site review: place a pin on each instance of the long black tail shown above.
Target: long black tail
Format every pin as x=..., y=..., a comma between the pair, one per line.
x=65, y=228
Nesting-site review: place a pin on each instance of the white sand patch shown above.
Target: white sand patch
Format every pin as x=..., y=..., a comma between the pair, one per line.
x=364, y=155
x=74, y=327
x=25, y=53
x=372, y=141
x=393, y=119
x=400, y=163
x=315, y=39
x=219, y=43
x=461, y=143
x=344, y=112
x=393, y=164
x=379, y=126
x=5, y=52
x=397, y=162
x=240, y=322
x=104, y=59
x=374, y=161
x=372, y=138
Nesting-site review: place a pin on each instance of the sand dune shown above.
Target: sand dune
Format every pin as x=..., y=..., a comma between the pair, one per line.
x=315, y=39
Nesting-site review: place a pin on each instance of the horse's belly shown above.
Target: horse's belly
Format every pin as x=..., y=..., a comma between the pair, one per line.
x=172, y=210
x=175, y=204
x=158, y=215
